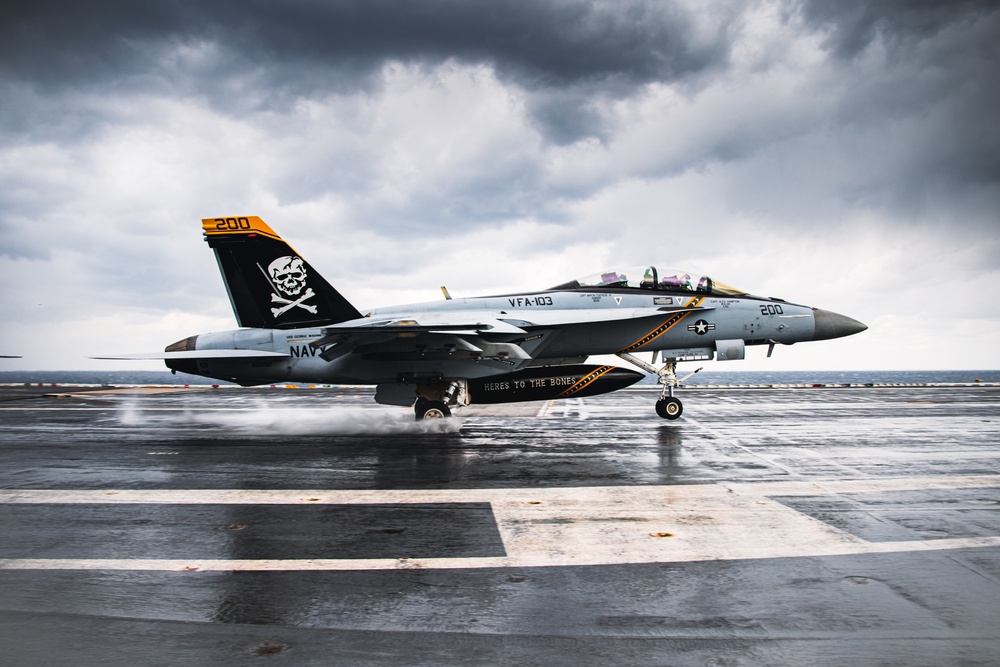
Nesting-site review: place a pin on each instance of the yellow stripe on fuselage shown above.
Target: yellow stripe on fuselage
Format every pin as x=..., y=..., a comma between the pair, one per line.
x=585, y=381
x=665, y=326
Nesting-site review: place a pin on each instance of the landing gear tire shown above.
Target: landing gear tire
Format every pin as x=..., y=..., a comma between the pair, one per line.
x=431, y=410
x=669, y=408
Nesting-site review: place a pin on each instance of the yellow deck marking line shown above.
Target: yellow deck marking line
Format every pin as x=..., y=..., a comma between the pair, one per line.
x=561, y=526
x=666, y=326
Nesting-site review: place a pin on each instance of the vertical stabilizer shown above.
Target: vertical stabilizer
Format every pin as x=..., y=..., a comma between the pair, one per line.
x=269, y=284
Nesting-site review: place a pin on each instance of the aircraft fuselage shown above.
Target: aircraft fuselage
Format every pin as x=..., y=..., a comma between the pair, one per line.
x=658, y=322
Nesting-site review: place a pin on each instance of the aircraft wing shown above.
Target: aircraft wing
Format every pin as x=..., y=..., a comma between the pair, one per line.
x=447, y=323
x=442, y=333
x=445, y=333
x=196, y=354
x=435, y=331
x=435, y=323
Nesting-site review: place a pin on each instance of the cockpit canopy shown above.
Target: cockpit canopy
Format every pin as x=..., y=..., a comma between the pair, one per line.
x=652, y=278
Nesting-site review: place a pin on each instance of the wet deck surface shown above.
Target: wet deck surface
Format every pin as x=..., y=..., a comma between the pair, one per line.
x=313, y=527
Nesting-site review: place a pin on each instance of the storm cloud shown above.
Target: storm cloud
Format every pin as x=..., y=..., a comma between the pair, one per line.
x=848, y=152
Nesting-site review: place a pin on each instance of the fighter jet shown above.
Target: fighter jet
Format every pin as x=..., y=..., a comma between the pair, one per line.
x=438, y=356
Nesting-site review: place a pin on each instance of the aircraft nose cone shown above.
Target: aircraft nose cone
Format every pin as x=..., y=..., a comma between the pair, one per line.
x=834, y=325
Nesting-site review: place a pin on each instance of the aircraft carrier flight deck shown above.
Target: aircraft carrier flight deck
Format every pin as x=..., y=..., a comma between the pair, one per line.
x=766, y=526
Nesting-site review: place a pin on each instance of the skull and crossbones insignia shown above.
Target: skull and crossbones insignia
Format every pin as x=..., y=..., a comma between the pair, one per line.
x=288, y=276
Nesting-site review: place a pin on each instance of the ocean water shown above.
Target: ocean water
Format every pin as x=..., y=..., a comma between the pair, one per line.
x=705, y=377
x=842, y=377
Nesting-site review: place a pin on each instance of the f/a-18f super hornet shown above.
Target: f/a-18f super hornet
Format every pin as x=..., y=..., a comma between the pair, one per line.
x=495, y=349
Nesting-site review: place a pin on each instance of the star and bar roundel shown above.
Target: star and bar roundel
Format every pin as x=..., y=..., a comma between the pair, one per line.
x=701, y=327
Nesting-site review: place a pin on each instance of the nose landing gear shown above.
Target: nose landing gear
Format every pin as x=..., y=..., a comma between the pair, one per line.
x=667, y=406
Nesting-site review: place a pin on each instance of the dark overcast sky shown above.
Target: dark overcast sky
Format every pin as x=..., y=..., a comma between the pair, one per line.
x=844, y=154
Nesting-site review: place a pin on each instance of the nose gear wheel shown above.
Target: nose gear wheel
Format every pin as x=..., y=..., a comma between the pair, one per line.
x=669, y=407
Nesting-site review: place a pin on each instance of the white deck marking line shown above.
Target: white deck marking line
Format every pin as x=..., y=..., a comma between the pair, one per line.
x=562, y=526
x=541, y=560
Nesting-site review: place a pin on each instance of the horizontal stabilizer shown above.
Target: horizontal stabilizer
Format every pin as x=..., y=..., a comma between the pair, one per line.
x=196, y=354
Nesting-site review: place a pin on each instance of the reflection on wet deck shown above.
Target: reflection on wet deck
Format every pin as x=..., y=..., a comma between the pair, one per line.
x=766, y=526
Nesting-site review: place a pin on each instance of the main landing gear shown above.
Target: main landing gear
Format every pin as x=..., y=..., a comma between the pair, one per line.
x=424, y=409
x=435, y=399
x=668, y=406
